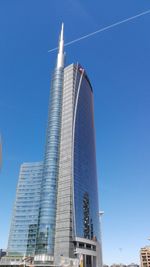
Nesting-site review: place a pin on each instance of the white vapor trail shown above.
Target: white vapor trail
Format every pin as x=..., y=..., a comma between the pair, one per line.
x=103, y=29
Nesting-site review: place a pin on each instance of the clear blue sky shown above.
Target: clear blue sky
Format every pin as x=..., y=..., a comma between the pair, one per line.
x=118, y=64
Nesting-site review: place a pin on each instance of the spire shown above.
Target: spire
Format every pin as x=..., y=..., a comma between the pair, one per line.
x=60, y=56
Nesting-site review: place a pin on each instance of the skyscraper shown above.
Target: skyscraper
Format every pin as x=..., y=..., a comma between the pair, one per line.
x=65, y=223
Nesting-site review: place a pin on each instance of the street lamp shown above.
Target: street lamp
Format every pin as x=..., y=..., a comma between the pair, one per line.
x=100, y=221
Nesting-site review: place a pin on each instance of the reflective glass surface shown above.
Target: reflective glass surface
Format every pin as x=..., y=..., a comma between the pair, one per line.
x=23, y=232
x=47, y=215
x=85, y=176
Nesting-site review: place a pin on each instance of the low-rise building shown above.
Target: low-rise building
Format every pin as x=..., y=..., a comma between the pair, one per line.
x=2, y=253
x=145, y=257
x=133, y=265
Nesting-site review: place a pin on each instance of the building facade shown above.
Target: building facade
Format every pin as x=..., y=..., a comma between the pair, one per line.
x=24, y=225
x=65, y=224
x=145, y=257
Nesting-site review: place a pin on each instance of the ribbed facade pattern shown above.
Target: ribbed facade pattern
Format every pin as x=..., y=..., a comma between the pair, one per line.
x=47, y=215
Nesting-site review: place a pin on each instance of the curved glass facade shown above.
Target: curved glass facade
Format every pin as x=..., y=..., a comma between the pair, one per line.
x=47, y=215
x=77, y=218
x=85, y=176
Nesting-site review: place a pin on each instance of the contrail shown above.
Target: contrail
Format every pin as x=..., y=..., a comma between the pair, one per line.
x=104, y=29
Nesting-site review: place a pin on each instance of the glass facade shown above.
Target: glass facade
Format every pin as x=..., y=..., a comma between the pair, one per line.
x=77, y=196
x=23, y=232
x=64, y=231
x=47, y=215
x=85, y=176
